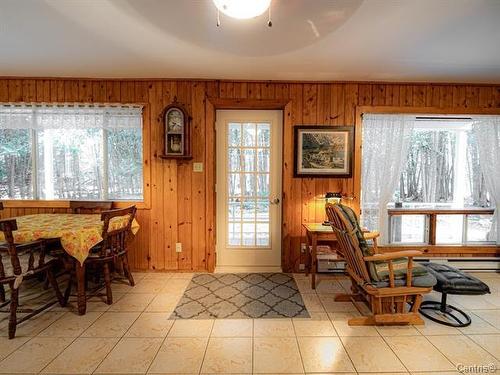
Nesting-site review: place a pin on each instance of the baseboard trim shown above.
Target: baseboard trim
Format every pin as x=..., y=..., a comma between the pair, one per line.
x=247, y=269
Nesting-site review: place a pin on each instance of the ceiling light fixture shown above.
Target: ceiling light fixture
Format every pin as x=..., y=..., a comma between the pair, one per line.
x=243, y=9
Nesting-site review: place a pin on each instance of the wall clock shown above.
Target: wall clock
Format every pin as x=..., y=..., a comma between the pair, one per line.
x=177, y=134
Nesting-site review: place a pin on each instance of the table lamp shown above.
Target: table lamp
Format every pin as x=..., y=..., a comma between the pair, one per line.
x=334, y=198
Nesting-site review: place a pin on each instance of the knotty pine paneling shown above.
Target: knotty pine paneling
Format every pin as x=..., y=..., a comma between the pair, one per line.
x=181, y=200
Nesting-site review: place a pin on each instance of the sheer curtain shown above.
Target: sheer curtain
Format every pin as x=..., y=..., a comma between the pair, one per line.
x=486, y=129
x=386, y=141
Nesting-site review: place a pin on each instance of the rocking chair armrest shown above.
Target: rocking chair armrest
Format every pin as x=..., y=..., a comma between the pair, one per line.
x=393, y=255
x=370, y=234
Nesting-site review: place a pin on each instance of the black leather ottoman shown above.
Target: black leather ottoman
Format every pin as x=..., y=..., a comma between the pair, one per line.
x=451, y=281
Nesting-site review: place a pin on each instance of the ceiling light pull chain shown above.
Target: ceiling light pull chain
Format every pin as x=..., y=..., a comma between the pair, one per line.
x=269, y=21
x=218, y=17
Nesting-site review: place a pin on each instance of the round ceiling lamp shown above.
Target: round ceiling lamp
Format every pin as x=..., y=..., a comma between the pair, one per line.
x=242, y=9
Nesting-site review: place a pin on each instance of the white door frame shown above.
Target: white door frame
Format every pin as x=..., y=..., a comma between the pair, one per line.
x=249, y=259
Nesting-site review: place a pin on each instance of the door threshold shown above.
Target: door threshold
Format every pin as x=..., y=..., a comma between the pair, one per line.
x=248, y=269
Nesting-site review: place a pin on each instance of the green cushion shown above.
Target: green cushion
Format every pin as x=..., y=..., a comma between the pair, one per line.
x=379, y=271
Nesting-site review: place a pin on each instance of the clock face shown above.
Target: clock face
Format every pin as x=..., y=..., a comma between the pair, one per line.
x=175, y=121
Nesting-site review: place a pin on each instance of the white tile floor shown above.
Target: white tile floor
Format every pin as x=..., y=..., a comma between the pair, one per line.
x=135, y=336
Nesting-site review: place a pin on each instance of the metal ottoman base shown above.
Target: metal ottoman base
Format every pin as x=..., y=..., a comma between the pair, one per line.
x=442, y=313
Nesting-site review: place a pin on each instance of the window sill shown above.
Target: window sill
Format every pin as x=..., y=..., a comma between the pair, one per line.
x=141, y=205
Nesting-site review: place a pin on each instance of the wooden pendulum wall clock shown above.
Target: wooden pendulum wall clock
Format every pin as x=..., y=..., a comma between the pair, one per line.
x=177, y=132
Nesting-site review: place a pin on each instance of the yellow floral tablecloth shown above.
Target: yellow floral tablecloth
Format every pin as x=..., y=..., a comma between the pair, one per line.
x=78, y=232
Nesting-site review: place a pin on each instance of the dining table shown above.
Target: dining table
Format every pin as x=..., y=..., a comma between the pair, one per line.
x=78, y=234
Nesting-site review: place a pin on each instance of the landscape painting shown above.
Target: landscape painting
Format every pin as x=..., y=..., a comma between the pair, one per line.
x=323, y=151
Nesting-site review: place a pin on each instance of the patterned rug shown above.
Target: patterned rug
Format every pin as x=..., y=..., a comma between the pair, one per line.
x=241, y=295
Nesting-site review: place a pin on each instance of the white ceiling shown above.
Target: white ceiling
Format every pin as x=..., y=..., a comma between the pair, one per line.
x=376, y=40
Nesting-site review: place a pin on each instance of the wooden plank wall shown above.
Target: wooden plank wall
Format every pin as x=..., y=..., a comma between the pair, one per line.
x=179, y=198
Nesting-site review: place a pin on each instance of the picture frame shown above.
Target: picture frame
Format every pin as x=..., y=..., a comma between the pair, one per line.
x=323, y=151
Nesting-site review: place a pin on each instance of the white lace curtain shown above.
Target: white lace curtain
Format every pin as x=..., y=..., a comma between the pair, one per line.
x=69, y=116
x=386, y=140
x=487, y=132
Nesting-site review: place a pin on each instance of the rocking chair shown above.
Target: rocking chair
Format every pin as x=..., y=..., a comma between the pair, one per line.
x=391, y=284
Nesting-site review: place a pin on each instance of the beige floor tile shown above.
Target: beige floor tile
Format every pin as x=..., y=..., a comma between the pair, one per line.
x=273, y=328
x=478, y=326
x=304, y=286
x=491, y=316
x=471, y=302
x=429, y=373
x=306, y=327
x=70, y=325
x=398, y=331
x=276, y=355
x=191, y=328
x=175, y=286
x=340, y=322
x=388, y=373
x=148, y=286
x=371, y=354
x=33, y=356
x=228, y=356
x=150, y=325
x=182, y=275
x=489, y=342
x=111, y=324
x=418, y=354
x=431, y=328
x=164, y=302
x=462, y=350
x=179, y=356
x=131, y=355
x=329, y=287
x=232, y=328
x=133, y=302
x=312, y=303
x=324, y=354
x=8, y=346
x=82, y=356
x=331, y=306
x=158, y=275
x=33, y=326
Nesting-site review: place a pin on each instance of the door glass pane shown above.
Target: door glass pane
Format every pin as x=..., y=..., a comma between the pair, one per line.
x=234, y=134
x=249, y=160
x=234, y=160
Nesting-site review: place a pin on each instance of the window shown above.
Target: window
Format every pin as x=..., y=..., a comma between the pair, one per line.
x=70, y=152
x=442, y=172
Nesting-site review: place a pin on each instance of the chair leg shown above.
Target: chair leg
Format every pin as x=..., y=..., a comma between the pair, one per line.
x=107, y=281
x=126, y=270
x=80, y=284
x=14, y=302
x=55, y=286
x=2, y=294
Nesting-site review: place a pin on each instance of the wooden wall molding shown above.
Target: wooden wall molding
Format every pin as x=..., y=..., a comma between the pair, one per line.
x=182, y=201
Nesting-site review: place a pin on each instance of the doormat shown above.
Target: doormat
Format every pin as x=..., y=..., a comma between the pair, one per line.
x=241, y=295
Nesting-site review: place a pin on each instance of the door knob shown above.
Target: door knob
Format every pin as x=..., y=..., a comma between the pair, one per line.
x=275, y=201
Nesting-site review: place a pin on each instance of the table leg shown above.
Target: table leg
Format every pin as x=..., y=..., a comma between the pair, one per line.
x=308, y=255
x=80, y=283
x=314, y=260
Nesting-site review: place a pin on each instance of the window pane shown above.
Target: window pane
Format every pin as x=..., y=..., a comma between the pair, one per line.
x=408, y=228
x=263, y=234
x=125, y=164
x=248, y=209
x=248, y=234
x=234, y=234
x=263, y=210
x=263, y=159
x=249, y=160
x=264, y=135
x=234, y=209
x=449, y=229
x=478, y=228
x=15, y=164
x=234, y=134
x=234, y=184
x=234, y=160
x=249, y=135
x=70, y=164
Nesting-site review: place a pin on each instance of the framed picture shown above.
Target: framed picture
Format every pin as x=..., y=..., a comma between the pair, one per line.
x=324, y=151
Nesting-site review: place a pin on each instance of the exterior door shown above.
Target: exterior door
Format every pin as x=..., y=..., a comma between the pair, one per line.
x=248, y=191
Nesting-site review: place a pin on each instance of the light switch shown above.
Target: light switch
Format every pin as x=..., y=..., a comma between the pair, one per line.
x=197, y=167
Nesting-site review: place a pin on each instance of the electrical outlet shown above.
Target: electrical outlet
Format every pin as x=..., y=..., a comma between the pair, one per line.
x=303, y=248
x=178, y=247
x=302, y=266
x=197, y=167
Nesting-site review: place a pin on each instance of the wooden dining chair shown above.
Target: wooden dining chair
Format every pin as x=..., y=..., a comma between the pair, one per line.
x=112, y=247
x=19, y=262
x=89, y=207
x=391, y=284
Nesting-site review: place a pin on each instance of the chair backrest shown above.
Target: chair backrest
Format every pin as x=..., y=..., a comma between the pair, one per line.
x=349, y=236
x=35, y=249
x=89, y=207
x=115, y=238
